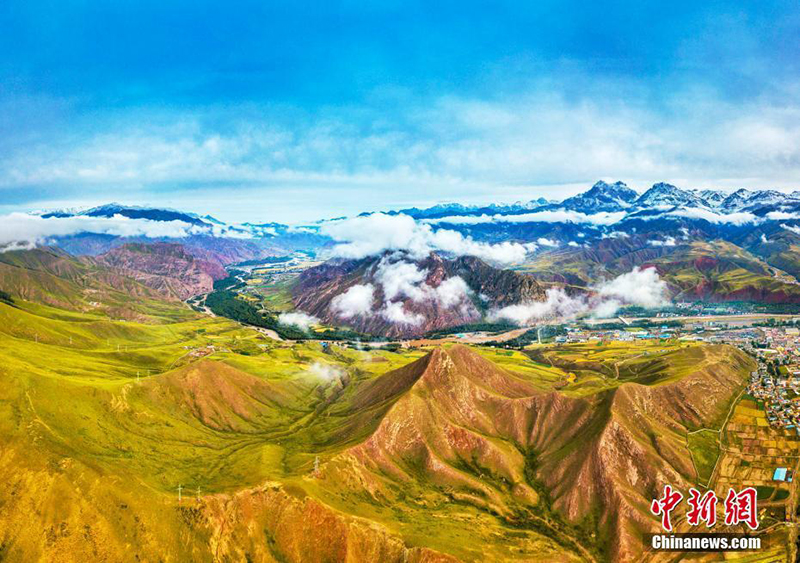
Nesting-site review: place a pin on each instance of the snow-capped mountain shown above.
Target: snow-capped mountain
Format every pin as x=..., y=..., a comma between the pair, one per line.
x=602, y=197
x=604, y=211
x=667, y=195
x=131, y=212
x=457, y=209
x=744, y=199
x=712, y=197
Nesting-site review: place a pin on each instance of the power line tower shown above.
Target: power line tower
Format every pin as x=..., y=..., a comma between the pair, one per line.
x=180, y=488
x=137, y=377
x=316, y=466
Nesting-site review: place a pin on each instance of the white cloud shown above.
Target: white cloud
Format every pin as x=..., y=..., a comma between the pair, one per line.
x=398, y=280
x=357, y=300
x=24, y=230
x=615, y=234
x=668, y=241
x=572, y=243
x=402, y=279
x=326, y=372
x=546, y=242
x=374, y=234
x=781, y=215
x=449, y=143
x=549, y=216
x=792, y=228
x=452, y=291
x=395, y=312
x=642, y=287
x=737, y=218
x=299, y=319
x=15, y=245
x=606, y=308
x=556, y=305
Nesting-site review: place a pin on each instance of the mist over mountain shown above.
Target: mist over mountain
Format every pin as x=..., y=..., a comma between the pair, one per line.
x=705, y=244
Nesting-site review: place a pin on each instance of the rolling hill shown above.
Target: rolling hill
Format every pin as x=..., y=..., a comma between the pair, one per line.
x=167, y=268
x=574, y=469
x=51, y=277
x=298, y=452
x=695, y=270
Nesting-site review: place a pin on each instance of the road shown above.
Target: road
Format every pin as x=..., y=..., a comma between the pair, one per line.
x=472, y=337
x=744, y=320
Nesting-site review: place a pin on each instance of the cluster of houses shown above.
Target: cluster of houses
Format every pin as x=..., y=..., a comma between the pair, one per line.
x=777, y=380
x=578, y=334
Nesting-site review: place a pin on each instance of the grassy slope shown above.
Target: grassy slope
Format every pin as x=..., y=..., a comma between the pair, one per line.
x=721, y=268
x=73, y=415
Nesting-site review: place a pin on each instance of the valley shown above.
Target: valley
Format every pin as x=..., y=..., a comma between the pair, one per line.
x=479, y=391
x=194, y=438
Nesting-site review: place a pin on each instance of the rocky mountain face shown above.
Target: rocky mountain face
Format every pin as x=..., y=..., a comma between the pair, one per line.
x=496, y=442
x=53, y=277
x=481, y=287
x=167, y=268
x=580, y=235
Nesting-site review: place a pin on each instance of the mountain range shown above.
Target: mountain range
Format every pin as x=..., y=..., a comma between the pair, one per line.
x=705, y=244
x=133, y=427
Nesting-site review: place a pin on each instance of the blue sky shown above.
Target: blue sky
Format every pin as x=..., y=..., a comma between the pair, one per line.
x=302, y=110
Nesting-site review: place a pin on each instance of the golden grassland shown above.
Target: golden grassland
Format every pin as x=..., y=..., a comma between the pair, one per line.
x=101, y=420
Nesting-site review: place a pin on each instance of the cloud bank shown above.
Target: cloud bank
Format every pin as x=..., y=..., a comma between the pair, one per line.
x=549, y=216
x=642, y=287
x=21, y=230
x=462, y=146
x=399, y=281
x=326, y=372
x=357, y=300
x=301, y=320
x=375, y=234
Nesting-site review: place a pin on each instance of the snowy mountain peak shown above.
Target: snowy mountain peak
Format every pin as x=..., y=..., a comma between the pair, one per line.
x=746, y=199
x=712, y=197
x=131, y=212
x=663, y=194
x=602, y=196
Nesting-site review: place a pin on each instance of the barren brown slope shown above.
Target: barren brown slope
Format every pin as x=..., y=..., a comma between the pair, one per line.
x=491, y=439
x=166, y=267
x=52, y=277
x=317, y=287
